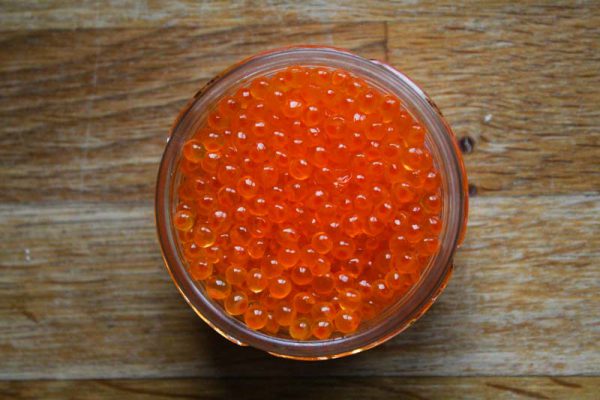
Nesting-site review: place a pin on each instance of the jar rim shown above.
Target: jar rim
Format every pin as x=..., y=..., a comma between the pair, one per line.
x=422, y=296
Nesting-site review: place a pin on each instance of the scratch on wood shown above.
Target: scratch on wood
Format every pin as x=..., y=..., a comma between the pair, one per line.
x=89, y=104
x=564, y=383
x=31, y=316
x=386, y=47
x=522, y=392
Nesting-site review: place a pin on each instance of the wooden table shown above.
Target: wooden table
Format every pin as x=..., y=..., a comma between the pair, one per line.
x=87, y=96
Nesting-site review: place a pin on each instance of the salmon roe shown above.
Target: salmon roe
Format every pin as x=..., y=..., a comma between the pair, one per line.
x=308, y=203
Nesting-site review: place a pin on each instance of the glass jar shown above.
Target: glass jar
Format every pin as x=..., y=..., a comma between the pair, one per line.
x=440, y=141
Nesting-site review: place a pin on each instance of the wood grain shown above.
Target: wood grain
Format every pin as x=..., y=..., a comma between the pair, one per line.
x=523, y=87
x=72, y=14
x=86, y=113
x=88, y=91
x=312, y=388
x=84, y=295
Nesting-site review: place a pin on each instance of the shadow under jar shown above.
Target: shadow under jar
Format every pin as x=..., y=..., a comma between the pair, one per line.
x=440, y=142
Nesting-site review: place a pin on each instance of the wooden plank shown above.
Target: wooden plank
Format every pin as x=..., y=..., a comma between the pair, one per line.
x=311, y=388
x=72, y=14
x=83, y=294
x=523, y=87
x=86, y=113
x=89, y=123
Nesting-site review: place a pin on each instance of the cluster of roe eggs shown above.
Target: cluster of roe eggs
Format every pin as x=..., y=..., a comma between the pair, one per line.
x=307, y=203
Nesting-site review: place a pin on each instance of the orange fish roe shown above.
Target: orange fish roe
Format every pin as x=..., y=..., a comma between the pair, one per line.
x=308, y=203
